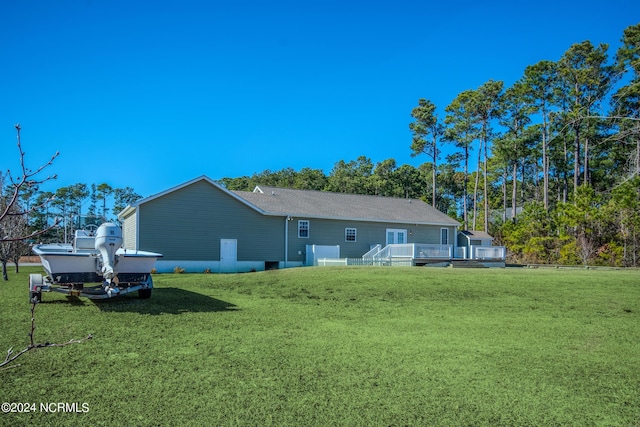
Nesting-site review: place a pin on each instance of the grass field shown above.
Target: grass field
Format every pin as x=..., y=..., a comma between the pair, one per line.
x=336, y=346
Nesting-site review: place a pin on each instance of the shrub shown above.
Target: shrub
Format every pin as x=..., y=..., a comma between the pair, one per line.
x=610, y=254
x=569, y=253
x=178, y=270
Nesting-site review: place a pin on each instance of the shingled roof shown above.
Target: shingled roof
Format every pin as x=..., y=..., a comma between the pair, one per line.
x=323, y=204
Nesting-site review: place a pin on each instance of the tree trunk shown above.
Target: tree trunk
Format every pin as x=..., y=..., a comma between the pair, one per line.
x=486, y=189
x=514, y=193
x=5, y=275
x=435, y=158
x=522, y=172
x=464, y=190
x=504, y=195
x=585, y=180
x=545, y=162
x=576, y=160
x=565, y=180
x=475, y=188
x=637, y=171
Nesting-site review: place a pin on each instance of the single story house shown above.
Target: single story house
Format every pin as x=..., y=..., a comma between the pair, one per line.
x=201, y=225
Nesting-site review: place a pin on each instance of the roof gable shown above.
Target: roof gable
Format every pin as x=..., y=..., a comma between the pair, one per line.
x=126, y=211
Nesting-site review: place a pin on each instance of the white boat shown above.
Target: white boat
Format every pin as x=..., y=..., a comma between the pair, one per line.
x=95, y=266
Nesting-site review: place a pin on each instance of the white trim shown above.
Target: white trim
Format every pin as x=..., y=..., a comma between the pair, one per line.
x=137, y=214
x=308, y=228
x=341, y=218
x=447, y=230
x=355, y=234
x=396, y=232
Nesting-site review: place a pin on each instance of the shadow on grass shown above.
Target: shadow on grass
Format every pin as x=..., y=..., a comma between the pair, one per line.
x=165, y=301
x=69, y=300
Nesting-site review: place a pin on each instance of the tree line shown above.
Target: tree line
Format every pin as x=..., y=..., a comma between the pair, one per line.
x=549, y=165
x=74, y=207
x=30, y=215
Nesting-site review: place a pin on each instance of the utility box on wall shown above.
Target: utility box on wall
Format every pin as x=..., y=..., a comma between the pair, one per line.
x=315, y=252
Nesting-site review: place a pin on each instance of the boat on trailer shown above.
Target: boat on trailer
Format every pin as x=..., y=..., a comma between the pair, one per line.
x=95, y=266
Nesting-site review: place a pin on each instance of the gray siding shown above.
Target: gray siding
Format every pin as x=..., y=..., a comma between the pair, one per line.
x=332, y=232
x=188, y=225
x=129, y=227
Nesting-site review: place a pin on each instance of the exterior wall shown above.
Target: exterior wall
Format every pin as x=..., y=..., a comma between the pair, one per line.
x=188, y=224
x=463, y=242
x=129, y=228
x=332, y=232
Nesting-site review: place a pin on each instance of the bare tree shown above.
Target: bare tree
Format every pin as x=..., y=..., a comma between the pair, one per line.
x=11, y=357
x=13, y=225
x=14, y=231
x=586, y=247
x=13, y=216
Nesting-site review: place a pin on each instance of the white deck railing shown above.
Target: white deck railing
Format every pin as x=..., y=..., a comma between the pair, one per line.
x=487, y=252
x=410, y=250
x=421, y=250
x=374, y=250
x=394, y=251
x=433, y=251
x=395, y=262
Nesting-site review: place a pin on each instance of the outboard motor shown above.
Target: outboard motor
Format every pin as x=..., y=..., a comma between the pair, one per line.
x=108, y=240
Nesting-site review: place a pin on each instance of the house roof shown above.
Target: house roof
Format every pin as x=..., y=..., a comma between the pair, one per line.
x=131, y=208
x=323, y=204
x=475, y=234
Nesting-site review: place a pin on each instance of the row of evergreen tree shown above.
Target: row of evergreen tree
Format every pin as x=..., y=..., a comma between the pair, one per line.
x=549, y=165
x=73, y=207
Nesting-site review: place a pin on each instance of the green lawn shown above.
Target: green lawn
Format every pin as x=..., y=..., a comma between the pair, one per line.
x=336, y=346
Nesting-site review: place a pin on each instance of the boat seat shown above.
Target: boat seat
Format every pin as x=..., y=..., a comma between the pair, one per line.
x=84, y=243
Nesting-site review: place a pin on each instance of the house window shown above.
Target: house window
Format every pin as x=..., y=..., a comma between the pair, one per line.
x=350, y=234
x=303, y=228
x=444, y=236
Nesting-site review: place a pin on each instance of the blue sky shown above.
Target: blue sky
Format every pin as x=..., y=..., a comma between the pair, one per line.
x=152, y=94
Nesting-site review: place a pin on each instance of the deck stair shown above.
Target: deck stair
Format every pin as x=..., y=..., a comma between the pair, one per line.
x=467, y=263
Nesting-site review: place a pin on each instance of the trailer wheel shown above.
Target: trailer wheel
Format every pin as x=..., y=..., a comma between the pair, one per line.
x=35, y=283
x=144, y=293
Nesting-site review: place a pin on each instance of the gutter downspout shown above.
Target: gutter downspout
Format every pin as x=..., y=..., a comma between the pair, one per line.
x=286, y=240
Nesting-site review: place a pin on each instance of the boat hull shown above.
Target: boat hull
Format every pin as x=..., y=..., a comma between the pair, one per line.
x=64, y=265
